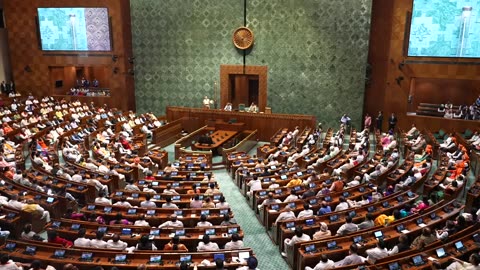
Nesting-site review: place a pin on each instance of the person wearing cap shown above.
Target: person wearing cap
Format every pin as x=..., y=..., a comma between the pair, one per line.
x=323, y=232
x=173, y=222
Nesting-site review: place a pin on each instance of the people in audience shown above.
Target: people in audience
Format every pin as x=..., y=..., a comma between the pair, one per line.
x=207, y=245
x=235, y=243
x=324, y=264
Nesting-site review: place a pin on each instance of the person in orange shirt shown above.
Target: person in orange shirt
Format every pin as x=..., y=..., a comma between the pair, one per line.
x=175, y=245
x=295, y=182
x=6, y=128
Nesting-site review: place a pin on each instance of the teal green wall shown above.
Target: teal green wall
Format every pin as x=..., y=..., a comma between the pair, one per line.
x=315, y=50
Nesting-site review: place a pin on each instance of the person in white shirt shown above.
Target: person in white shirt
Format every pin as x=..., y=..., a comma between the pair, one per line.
x=206, y=245
x=169, y=190
x=292, y=197
x=252, y=264
x=147, y=203
x=343, y=205
x=355, y=182
x=236, y=243
x=81, y=241
x=306, y=212
x=472, y=264
x=123, y=202
x=141, y=222
x=203, y=222
x=324, y=264
x=168, y=204
x=98, y=241
x=103, y=200
x=116, y=244
x=287, y=213
x=221, y=203
x=130, y=186
x=297, y=238
x=254, y=184
x=378, y=252
x=15, y=203
x=7, y=264
x=348, y=227
x=173, y=222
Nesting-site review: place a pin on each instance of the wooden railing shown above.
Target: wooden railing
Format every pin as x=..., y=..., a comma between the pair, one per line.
x=244, y=145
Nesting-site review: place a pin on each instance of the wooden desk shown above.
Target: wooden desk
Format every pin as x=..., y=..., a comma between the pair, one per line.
x=266, y=124
x=219, y=137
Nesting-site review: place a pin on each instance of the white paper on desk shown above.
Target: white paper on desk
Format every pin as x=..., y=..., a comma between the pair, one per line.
x=422, y=225
x=171, y=235
x=432, y=259
x=193, y=215
x=406, y=231
x=129, y=198
x=3, y=216
x=244, y=255
x=272, y=211
x=235, y=259
x=200, y=236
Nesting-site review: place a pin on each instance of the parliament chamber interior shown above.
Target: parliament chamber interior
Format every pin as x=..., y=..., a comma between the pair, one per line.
x=239, y=134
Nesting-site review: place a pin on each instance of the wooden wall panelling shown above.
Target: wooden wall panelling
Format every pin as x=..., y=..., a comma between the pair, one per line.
x=25, y=51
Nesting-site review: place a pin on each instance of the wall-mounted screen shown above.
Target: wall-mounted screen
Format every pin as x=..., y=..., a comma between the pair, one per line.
x=445, y=28
x=74, y=29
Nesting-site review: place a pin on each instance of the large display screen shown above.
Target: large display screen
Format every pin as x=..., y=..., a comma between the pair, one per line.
x=445, y=28
x=74, y=29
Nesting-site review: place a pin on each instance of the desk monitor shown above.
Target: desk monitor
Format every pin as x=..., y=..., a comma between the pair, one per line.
x=193, y=174
x=120, y=258
x=361, y=189
x=312, y=185
x=75, y=227
x=371, y=209
x=292, y=205
x=232, y=230
x=91, y=207
x=266, y=180
x=299, y=173
x=283, y=177
x=141, y=182
x=309, y=222
x=313, y=201
x=107, y=209
x=378, y=234
x=357, y=239
x=216, y=197
x=262, y=193
x=346, y=194
x=176, y=198
x=297, y=188
x=30, y=250
x=290, y=225
x=178, y=213
x=433, y=215
x=50, y=199
x=273, y=167
x=385, y=204
x=217, y=256
x=333, y=218
x=155, y=232
x=352, y=214
x=175, y=184
x=10, y=246
x=418, y=260
x=135, y=195
x=155, y=184
x=119, y=193
x=476, y=237
x=186, y=258
x=157, y=197
x=210, y=231
x=131, y=211
x=328, y=198
x=180, y=232
x=419, y=221
x=331, y=245
x=278, y=191
x=155, y=259
x=56, y=224
x=102, y=229
x=223, y=212
x=275, y=207
x=151, y=212
x=410, y=194
x=459, y=246
x=59, y=253
x=126, y=231
x=400, y=228
x=86, y=256
x=200, y=197
x=441, y=252
x=394, y=266
x=400, y=198
x=310, y=248
x=37, y=197
x=205, y=212
x=328, y=181
x=258, y=169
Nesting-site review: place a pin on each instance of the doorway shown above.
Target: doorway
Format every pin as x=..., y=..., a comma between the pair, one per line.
x=243, y=89
x=243, y=85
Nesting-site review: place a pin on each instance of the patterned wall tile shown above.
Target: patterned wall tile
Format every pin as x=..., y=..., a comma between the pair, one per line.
x=315, y=50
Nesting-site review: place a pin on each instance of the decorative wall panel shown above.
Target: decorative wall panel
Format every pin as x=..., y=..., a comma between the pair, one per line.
x=315, y=51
